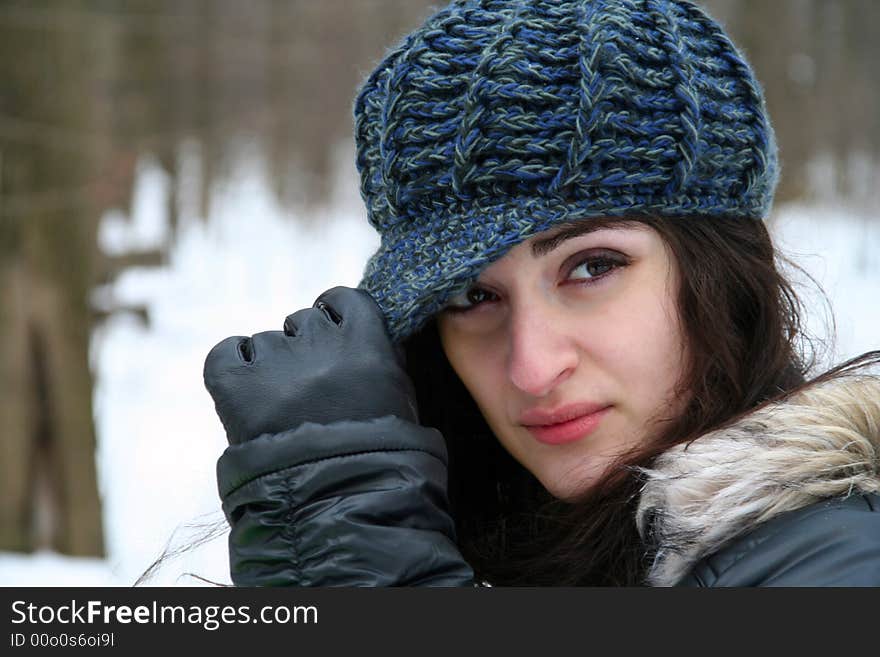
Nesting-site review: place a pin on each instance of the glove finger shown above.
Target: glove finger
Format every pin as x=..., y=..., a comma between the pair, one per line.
x=300, y=321
x=352, y=304
x=329, y=311
x=268, y=345
x=224, y=356
x=290, y=326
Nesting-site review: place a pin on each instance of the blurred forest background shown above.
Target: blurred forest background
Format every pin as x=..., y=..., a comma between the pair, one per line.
x=91, y=89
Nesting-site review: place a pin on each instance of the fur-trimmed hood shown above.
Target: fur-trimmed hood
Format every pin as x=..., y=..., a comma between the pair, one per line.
x=822, y=442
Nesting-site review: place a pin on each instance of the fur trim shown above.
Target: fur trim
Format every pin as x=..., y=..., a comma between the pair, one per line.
x=823, y=442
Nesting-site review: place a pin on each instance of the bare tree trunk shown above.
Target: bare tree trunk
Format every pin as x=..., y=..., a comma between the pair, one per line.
x=16, y=416
x=48, y=260
x=48, y=484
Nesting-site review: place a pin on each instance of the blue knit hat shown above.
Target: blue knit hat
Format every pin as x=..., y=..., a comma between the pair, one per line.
x=499, y=119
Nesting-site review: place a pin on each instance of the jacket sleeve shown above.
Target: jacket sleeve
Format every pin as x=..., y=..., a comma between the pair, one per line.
x=831, y=543
x=346, y=504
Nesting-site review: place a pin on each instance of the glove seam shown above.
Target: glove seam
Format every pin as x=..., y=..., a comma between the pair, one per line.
x=277, y=469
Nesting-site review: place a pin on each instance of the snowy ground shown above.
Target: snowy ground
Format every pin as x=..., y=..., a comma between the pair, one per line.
x=241, y=272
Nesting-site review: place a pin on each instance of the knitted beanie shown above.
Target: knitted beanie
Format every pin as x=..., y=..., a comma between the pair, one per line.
x=499, y=119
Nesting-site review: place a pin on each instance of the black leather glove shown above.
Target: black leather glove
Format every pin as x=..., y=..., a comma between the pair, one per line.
x=328, y=479
x=332, y=362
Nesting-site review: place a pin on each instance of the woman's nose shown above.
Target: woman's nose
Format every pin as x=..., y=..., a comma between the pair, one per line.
x=542, y=354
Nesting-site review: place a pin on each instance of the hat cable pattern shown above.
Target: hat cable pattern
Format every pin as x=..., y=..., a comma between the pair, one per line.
x=499, y=119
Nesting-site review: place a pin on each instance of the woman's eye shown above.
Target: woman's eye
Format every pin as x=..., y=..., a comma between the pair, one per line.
x=594, y=267
x=468, y=299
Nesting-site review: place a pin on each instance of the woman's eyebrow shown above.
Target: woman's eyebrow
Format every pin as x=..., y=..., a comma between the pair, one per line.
x=572, y=229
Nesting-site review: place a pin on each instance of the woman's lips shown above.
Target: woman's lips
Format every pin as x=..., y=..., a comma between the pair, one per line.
x=568, y=431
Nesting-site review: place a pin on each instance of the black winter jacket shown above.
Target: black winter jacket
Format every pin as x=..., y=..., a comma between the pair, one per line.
x=785, y=497
x=835, y=542
x=345, y=504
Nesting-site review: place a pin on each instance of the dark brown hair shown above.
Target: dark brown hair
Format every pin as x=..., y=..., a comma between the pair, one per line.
x=745, y=345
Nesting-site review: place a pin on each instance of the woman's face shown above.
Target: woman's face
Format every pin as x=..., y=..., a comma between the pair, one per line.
x=572, y=348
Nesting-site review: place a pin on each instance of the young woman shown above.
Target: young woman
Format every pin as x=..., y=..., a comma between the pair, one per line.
x=573, y=359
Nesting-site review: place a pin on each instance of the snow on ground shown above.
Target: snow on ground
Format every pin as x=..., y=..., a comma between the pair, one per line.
x=242, y=272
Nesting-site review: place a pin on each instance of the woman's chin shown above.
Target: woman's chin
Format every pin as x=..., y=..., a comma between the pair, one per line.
x=569, y=486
